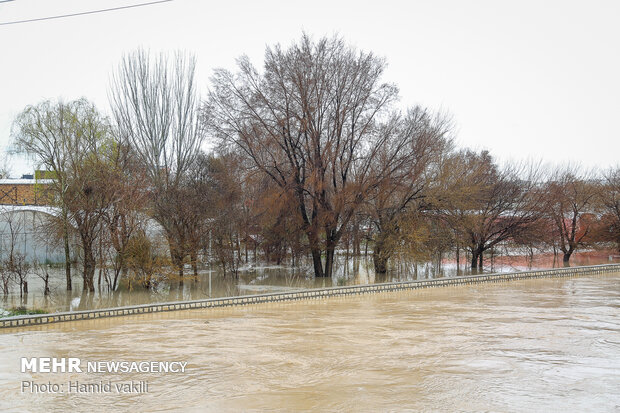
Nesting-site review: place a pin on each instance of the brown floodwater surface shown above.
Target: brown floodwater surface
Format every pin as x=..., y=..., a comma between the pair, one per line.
x=532, y=345
x=251, y=280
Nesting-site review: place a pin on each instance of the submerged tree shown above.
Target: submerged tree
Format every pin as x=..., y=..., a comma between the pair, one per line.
x=144, y=262
x=571, y=201
x=43, y=131
x=87, y=196
x=486, y=205
x=71, y=139
x=14, y=266
x=155, y=104
x=610, y=200
x=309, y=122
x=405, y=175
x=226, y=195
x=42, y=272
x=128, y=200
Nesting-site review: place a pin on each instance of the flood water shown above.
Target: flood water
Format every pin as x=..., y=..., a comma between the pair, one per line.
x=257, y=280
x=532, y=345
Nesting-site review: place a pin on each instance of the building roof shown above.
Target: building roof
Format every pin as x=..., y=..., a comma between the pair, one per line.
x=10, y=181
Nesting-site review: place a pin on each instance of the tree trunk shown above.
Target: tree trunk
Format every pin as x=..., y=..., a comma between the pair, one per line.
x=89, y=269
x=238, y=245
x=147, y=281
x=123, y=273
x=381, y=255
x=65, y=238
x=474, y=259
x=329, y=259
x=380, y=263
x=316, y=260
x=566, y=258
x=177, y=256
x=181, y=275
x=194, y=259
x=356, y=240
x=100, y=263
x=177, y=261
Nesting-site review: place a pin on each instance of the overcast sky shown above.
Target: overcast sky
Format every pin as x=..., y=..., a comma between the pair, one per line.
x=524, y=79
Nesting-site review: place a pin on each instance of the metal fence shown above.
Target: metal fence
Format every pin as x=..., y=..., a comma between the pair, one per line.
x=317, y=293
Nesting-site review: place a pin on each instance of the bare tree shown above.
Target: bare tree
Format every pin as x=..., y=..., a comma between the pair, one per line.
x=309, y=121
x=71, y=140
x=41, y=271
x=610, y=199
x=14, y=264
x=8, y=238
x=486, y=205
x=404, y=190
x=128, y=197
x=43, y=131
x=218, y=199
x=155, y=103
x=87, y=196
x=6, y=279
x=571, y=205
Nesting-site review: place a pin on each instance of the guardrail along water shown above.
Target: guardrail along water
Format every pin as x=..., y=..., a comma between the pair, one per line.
x=30, y=320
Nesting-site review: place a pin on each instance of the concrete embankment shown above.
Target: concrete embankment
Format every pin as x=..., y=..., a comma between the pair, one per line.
x=39, y=319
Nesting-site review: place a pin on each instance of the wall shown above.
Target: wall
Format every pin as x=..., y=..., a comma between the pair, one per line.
x=23, y=192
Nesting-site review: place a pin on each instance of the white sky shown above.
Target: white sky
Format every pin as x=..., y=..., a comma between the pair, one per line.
x=525, y=79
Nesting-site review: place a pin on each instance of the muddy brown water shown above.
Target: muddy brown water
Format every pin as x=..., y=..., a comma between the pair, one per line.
x=532, y=345
x=266, y=279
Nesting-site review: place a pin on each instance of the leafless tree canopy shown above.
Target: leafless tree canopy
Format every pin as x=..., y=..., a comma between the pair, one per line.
x=154, y=101
x=311, y=121
x=407, y=166
x=610, y=199
x=61, y=137
x=571, y=201
x=155, y=105
x=485, y=204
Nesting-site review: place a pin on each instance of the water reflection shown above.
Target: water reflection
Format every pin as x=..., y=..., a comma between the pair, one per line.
x=251, y=280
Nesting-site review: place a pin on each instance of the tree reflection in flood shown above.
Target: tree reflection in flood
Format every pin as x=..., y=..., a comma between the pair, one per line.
x=252, y=280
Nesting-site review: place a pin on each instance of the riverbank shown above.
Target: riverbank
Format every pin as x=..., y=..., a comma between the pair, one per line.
x=316, y=293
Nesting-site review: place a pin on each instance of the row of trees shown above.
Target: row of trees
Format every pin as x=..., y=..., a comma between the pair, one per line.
x=311, y=156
